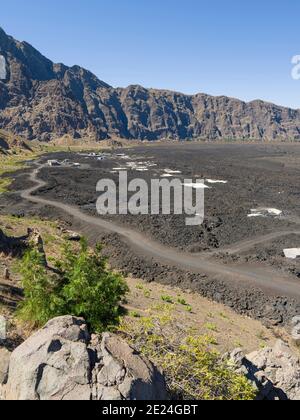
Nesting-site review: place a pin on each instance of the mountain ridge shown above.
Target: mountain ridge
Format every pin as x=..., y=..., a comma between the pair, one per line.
x=43, y=100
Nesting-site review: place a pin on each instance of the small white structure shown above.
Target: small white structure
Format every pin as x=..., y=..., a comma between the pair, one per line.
x=274, y=212
x=196, y=186
x=169, y=171
x=53, y=163
x=255, y=215
x=213, y=181
x=265, y=212
x=292, y=253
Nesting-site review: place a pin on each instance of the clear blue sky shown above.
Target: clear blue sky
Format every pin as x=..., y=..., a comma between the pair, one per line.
x=236, y=48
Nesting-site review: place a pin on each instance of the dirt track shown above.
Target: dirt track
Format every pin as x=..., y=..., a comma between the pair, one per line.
x=267, y=280
x=248, y=244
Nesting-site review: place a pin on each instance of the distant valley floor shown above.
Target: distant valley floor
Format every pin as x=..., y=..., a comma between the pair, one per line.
x=258, y=176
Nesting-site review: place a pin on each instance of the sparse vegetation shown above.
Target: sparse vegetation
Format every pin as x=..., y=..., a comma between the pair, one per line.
x=193, y=368
x=185, y=354
x=182, y=302
x=81, y=286
x=224, y=316
x=167, y=299
x=211, y=327
x=262, y=336
x=147, y=293
x=135, y=314
x=11, y=160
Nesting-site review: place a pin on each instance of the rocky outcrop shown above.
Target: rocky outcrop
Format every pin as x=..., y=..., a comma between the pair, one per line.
x=35, y=240
x=42, y=100
x=10, y=142
x=4, y=365
x=62, y=362
x=274, y=372
x=296, y=330
x=17, y=245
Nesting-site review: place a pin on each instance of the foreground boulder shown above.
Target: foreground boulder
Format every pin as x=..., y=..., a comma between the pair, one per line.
x=62, y=362
x=275, y=372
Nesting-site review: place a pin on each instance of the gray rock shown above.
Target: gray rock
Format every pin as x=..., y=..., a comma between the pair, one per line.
x=61, y=362
x=35, y=239
x=237, y=357
x=4, y=365
x=295, y=321
x=6, y=273
x=275, y=372
x=296, y=335
x=73, y=236
x=134, y=376
x=53, y=364
x=3, y=328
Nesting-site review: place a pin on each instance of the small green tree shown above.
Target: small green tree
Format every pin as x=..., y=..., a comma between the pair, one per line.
x=89, y=289
x=83, y=286
x=37, y=306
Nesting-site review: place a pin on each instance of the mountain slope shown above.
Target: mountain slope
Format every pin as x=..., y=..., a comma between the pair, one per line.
x=42, y=100
x=10, y=142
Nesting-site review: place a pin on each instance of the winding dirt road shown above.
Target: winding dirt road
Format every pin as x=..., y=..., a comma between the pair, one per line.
x=247, y=244
x=267, y=279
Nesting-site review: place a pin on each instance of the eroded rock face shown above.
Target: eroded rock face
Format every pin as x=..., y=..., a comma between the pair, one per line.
x=42, y=100
x=17, y=245
x=62, y=362
x=4, y=365
x=275, y=372
x=35, y=239
x=296, y=330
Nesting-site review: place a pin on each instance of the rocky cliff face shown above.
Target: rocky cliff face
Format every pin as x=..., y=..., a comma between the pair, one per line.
x=42, y=100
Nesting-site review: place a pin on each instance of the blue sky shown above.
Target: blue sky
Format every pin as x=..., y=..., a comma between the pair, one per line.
x=236, y=48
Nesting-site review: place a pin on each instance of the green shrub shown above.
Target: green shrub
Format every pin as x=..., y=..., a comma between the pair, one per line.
x=147, y=294
x=39, y=292
x=211, y=327
x=194, y=370
x=181, y=301
x=82, y=286
x=167, y=299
